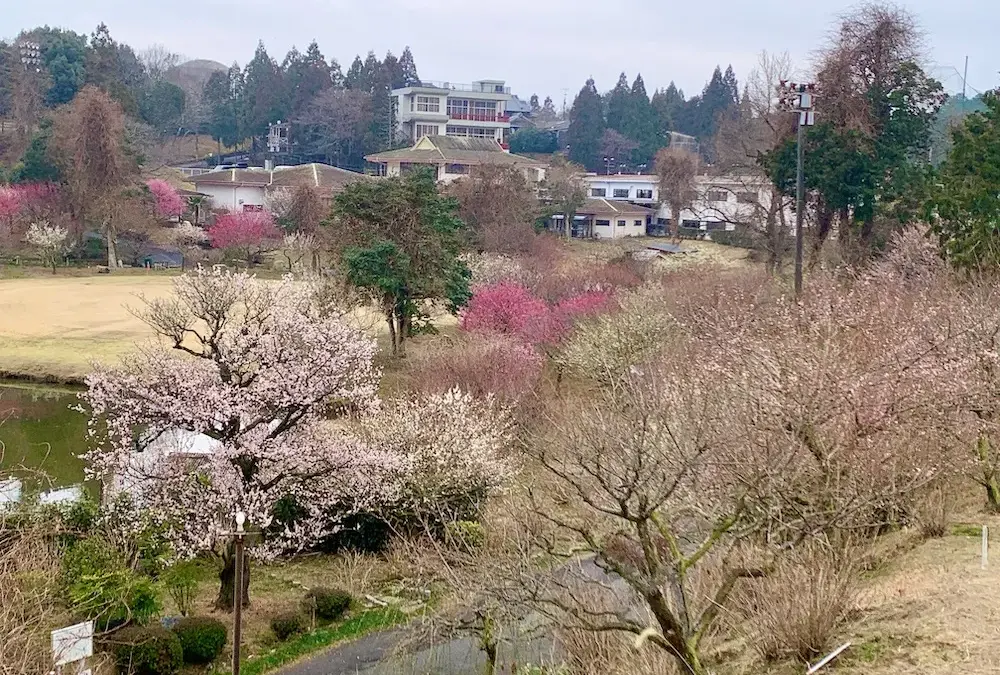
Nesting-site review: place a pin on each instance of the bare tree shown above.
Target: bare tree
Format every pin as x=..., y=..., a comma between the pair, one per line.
x=89, y=144
x=336, y=121
x=565, y=191
x=157, y=60
x=499, y=208
x=677, y=170
x=618, y=147
x=727, y=452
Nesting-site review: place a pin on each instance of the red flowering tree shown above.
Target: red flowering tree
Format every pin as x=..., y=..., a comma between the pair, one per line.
x=509, y=308
x=245, y=234
x=168, y=202
x=10, y=202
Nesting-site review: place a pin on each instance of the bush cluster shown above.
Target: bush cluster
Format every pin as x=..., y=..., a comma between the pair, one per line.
x=330, y=603
x=147, y=650
x=287, y=624
x=202, y=638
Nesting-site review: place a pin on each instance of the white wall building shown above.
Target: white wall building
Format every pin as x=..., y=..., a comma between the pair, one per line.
x=723, y=201
x=477, y=110
x=452, y=157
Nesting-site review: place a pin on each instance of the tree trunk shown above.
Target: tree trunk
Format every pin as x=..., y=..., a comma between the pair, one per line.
x=391, y=320
x=112, y=246
x=989, y=477
x=227, y=581
x=675, y=223
x=402, y=332
x=824, y=222
x=568, y=224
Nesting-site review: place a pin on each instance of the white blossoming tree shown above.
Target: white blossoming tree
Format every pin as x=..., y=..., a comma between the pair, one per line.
x=49, y=239
x=253, y=366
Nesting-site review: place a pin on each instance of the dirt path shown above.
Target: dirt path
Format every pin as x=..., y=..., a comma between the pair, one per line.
x=932, y=612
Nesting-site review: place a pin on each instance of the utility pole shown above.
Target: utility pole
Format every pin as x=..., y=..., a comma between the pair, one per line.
x=238, y=536
x=798, y=98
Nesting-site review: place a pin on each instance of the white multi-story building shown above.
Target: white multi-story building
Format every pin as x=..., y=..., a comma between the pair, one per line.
x=477, y=110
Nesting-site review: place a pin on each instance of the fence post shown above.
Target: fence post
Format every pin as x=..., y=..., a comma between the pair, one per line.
x=986, y=546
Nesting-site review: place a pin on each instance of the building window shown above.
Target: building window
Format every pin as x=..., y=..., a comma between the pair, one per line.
x=716, y=196
x=598, y=192
x=471, y=132
x=638, y=223
x=457, y=168
x=477, y=111
x=746, y=197
x=621, y=223
x=409, y=167
x=602, y=223
x=643, y=194
x=428, y=104
x=621, y=193
x=421, y=130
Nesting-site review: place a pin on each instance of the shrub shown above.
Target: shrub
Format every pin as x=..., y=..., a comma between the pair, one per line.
x=798, y=607
x=100, y=586
x=479, y=364
x=181, y=582
x=151, y=650
x=466, y=534
x=202, y=638
x=287, y=624
x=329, y=603
x=509, y=308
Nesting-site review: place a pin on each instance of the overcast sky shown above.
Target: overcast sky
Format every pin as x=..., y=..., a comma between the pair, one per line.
x=537, y=46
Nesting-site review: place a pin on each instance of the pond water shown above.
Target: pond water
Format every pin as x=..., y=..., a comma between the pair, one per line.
x=40, y=433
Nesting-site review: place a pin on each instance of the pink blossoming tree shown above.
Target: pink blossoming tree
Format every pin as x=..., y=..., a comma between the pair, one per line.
x=10, y=203
x=509, y=308
x=168, y=202
x=253, y=366
x=246, y=234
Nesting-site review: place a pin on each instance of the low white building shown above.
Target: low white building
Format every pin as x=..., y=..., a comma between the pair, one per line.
x=247, y=189
x=723, y=202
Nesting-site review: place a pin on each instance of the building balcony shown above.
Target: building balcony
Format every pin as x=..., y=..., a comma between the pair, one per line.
x=476, y=116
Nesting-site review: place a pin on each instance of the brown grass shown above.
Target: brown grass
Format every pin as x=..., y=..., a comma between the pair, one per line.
x=54, y=328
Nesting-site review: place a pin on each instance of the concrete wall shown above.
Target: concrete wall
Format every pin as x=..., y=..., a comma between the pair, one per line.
x=232, y=196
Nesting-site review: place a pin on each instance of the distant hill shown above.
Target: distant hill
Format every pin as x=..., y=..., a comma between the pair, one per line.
x=191, y=76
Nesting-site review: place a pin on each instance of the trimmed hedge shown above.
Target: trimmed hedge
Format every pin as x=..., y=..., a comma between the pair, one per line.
x=330, y=603
x=147, y=650
x=202, y=638
x=287, y=624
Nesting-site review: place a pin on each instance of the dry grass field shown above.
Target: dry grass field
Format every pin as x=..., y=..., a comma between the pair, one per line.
x=56, y=327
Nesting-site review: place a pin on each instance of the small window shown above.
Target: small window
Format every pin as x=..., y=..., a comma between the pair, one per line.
x=457, y=168
x=643, y=194
x=716, y=196
x=621, y=193
x=602, y=223
x=638, y=223
x=598, y=192
x=426, y=130
x=746, y=198
x=621, y=223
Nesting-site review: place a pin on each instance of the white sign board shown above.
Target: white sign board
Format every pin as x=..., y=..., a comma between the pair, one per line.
x=73, y=643
x=10, y=493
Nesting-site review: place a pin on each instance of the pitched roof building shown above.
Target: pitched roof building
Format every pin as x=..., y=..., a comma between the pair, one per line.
x=247, y=189
x=453, y=157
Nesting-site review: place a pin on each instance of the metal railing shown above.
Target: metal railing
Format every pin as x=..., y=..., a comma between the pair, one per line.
x=478, y=116
x=478, y=87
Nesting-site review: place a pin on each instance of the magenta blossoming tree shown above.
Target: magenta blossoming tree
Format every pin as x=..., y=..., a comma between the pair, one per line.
x=10, y=204
x=246, y=234
x=253, y=367
x=167, y=201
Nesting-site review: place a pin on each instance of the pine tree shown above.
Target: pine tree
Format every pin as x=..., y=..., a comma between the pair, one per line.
x=355, y=74
x=371, y=72
x=391, y=65
x=408, y=68
x=719, y=98
x=305, y=75
x=641, y=124
x=263, y=100
x=667, y=104
x=619, y=101
x=336, y=74
x=586, y=127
